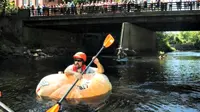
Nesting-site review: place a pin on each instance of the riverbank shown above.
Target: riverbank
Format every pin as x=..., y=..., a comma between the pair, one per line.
x=9, y=49
x=184, y=47
x=12, y=44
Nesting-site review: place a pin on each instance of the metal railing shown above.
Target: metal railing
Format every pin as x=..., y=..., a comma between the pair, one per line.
x=117, y=8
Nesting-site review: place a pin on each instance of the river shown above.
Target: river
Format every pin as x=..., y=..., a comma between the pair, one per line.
x=142, y=84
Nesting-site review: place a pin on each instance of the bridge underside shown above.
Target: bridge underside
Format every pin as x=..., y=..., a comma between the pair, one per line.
x=171, y=26
x=154, y=21
x=116, y=27
x=140, y=26
x=84, y=28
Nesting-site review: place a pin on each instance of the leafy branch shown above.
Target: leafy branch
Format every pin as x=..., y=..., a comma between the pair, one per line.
x=7, y=7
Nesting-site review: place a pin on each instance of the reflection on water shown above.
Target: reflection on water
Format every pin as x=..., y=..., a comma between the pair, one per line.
x=145, y=84
x=185, y=68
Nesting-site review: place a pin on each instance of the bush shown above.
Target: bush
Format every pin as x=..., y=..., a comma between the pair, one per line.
x=163, y=44
x=7, y=7
x=197, y=44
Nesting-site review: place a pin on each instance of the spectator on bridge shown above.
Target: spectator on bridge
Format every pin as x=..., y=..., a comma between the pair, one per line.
x=62, y=9
x=81, y=8
x=163, y=5
x=78, y=9
x=170, y=5
x=45, y=10
x=105, y=7
x=97, y=8
x=72, y=5
x=145, y=4
x=178, y=4
x=193, y=3
x=198, y=3
x=190, y=5
x=151, y=5
x=32, y=10
x=157, y=4
x=68, y=10
x=39, y=10
x=114, y=6
x=120, y=6
x=129, y=6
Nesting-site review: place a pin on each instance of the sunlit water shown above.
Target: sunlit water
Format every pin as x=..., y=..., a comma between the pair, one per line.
x=142, y=84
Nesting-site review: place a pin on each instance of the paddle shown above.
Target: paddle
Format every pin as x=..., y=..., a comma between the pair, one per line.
x=107, y=42
x=5, y=107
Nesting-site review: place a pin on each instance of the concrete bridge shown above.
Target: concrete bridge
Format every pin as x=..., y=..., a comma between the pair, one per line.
x=138, y=31
x=154, y=21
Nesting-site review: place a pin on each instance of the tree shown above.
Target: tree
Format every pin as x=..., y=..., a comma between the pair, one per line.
x=3, y=7
x=164, y=40
x=185, y=37
x=7, y=7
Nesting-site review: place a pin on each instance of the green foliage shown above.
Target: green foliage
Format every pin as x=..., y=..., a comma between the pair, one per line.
x=197, y=41
x=10, y=7
x=1, y=6
x=190, y=37
x=178, y=40
x=164, y=40
x=7, y=7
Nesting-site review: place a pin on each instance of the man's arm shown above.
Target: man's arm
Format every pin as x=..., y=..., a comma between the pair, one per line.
x=100, y=68
x=69, y=72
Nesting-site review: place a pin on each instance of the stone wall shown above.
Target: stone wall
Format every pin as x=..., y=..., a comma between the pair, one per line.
x=18, y=40
x=52, y=40
x=10, y=28
x=10, y=33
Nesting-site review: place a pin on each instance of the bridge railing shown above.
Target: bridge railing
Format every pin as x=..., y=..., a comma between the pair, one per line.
x=117, y=8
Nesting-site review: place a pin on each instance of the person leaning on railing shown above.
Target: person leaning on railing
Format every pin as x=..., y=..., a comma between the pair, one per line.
x=39, y=10
x=145, y=4
x=198, y=3
x=45, y=10
x=32, y=10
x=78, y=8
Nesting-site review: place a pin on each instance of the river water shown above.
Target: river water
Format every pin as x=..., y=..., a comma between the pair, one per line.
x=141, y=84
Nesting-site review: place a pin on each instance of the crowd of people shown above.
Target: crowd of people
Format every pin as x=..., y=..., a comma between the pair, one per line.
x=115, y=7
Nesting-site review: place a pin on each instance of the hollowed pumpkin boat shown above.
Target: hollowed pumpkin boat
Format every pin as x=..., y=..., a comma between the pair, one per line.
x=91, y=89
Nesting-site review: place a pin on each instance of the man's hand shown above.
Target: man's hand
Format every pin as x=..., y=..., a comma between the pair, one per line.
x=96, y=60
x=78, y=75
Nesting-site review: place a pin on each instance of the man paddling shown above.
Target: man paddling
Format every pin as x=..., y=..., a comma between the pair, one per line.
x=79, y=66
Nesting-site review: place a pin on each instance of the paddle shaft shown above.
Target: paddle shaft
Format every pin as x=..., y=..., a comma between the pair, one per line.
x=59, y=102
x=5, y=107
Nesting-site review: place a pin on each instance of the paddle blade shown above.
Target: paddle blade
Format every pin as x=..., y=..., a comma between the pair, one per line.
x=108, y=41
x=55, y=108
